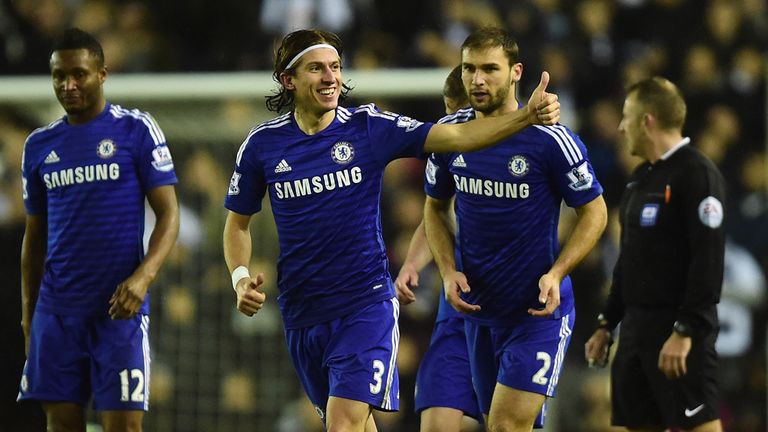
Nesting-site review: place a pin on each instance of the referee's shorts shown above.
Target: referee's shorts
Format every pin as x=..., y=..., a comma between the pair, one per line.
x=641, y=395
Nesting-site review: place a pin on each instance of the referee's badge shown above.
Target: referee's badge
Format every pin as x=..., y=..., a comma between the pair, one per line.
x=649, y=214
x=711, y=212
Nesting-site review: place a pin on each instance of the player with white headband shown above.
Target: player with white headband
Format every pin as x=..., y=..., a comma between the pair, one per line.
x=305, y=50
x=322, y=166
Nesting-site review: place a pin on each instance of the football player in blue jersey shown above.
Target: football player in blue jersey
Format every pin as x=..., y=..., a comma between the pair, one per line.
x=502, y=267
x=444, y=393
x=322, y=166
x=85, y=273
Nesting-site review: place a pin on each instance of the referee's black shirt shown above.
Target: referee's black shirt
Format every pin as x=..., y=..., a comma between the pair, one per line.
x=672, y=240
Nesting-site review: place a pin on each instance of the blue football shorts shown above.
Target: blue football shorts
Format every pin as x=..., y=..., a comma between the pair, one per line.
x=527, y=356
x=444, y=378
x=71, y=358
x=352, y=357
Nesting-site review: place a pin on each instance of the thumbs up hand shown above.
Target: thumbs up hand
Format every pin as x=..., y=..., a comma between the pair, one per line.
x=543, y=108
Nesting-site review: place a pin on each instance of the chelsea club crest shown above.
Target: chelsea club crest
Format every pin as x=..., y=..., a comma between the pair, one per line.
x=106, y=149
x=518, y=166
x=342, y=152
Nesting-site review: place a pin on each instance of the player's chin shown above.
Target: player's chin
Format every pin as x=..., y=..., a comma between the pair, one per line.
x=330, y=105
x=72, y=107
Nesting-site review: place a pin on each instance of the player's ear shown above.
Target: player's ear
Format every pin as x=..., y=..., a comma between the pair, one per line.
x=517, y=72
x=287, y=81
x=103, y=72
x=649, y=120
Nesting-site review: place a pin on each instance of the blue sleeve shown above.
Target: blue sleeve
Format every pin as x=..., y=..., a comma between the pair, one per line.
x=570, y=167
x=33, y=189
x=155, y=161
x=437, y=179
x=394, y=136
x=248, y=183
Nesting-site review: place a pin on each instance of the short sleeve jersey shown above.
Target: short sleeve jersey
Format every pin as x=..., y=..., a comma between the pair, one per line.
x=90, y=181
x=507, y=209
x=325, y=193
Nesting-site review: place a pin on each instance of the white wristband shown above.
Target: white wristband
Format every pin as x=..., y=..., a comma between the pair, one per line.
x=239, y=273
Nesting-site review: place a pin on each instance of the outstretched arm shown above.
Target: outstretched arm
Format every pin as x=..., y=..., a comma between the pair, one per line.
x=130, y=293
x=543, y=108
x=591, y=219
x=237, y=254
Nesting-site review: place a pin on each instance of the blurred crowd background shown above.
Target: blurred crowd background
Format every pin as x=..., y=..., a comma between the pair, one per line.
x=216, y=370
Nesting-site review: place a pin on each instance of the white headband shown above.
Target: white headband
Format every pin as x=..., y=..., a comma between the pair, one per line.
x=308, y=49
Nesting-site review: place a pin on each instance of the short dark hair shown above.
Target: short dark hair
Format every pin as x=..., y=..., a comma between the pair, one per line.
x=292, y=44
x=663, y=99
x=75, y=38
x=454, y=87
x=491, y=37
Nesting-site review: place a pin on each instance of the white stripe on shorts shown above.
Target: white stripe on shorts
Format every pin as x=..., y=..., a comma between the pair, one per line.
x=387, y=402
x=565, y=332
x=147, y=359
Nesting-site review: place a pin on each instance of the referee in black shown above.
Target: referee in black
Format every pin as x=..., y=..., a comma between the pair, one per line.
x=669, y=275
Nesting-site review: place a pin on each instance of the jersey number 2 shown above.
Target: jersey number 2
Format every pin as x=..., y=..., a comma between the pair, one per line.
x=138, y=392
x=540, y=376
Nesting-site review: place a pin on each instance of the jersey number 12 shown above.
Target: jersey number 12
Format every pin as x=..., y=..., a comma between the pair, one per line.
x=138, y=392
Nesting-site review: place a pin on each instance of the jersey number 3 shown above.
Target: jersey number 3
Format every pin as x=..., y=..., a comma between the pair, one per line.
x=378, y=371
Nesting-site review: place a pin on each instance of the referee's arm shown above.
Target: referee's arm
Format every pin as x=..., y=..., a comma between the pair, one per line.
x=705, y=232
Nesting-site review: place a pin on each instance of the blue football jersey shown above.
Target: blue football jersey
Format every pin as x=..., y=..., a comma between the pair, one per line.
x=507, y=209
x=325, y=192
x=91, y=181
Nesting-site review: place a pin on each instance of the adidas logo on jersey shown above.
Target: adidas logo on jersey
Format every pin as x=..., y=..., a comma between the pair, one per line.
x=459, y=162
x=283, y=167
x=51, y=158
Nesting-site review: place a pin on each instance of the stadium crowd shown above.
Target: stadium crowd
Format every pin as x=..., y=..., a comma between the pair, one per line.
x=210, y=370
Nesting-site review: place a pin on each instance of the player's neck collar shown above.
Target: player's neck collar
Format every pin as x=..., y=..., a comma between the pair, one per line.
x=675, y=148
x=312, y=125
